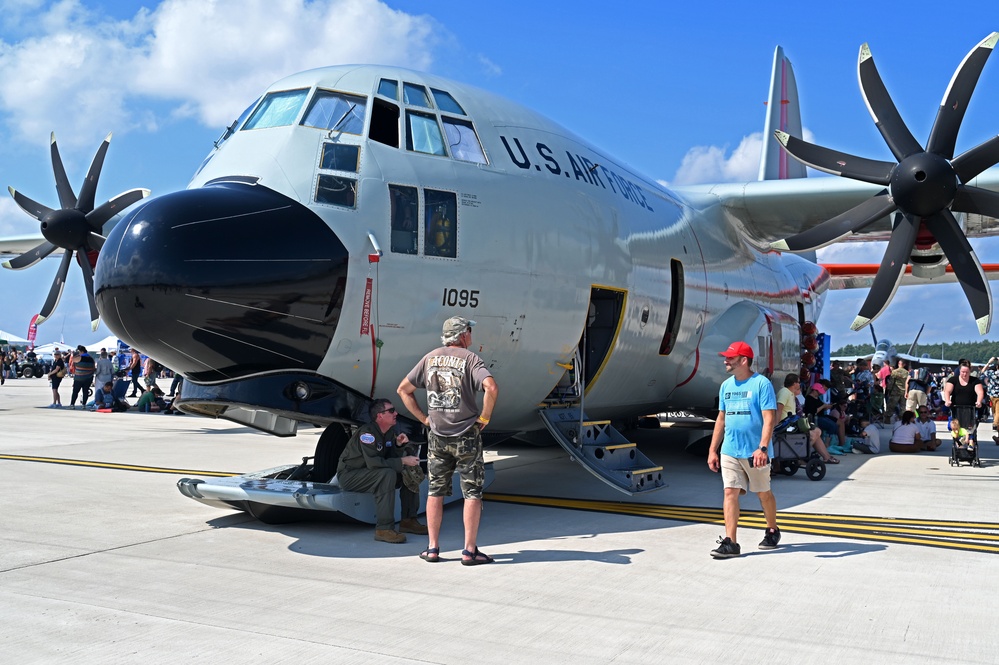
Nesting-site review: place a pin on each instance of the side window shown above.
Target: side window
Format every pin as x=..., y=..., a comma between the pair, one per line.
x=384, y=123
x=340, y=157
x=336, y=190
x=277, y=109
x=415, y=95
x=440, y=213
x=336, y=111
x=447, y=103
x=405, y=212
x=462, y=141
x=389, y=89
x=424, y=134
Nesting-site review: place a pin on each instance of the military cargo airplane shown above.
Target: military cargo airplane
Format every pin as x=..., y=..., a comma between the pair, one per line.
x=351, y=209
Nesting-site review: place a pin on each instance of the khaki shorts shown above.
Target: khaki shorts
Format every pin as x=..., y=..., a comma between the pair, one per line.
x=737, y=472
x=916, y=399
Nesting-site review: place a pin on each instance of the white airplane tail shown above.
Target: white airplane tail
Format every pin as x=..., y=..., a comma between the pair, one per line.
x=783, y=113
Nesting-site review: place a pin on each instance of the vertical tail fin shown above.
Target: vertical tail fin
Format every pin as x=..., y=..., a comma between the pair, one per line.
x=783, y=113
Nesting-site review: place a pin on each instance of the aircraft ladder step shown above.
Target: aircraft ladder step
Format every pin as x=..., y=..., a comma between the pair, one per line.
x=602, y=450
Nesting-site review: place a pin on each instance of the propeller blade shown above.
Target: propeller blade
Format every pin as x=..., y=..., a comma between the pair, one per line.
x=976, y=200
x=903, y=239
x=834, y=162
x=98, y=217
x=31, y=257
x=967, y=267
x=67, y=199
x=896, y=134
x=830, y=231
x=86, y=201
x=95, y=241
x=55, y=293
x=971, y=162
x=30, y=206
x=943, y=136
x=88, y=280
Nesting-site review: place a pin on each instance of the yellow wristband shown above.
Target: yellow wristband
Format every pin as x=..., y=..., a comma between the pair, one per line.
x=484, y=421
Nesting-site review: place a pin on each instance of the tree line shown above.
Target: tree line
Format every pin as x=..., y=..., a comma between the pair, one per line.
x=977, y=352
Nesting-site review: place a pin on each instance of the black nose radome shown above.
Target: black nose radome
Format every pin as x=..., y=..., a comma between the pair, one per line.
x=223, y=282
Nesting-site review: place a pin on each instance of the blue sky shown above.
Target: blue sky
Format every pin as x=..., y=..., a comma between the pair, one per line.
x=676, y=91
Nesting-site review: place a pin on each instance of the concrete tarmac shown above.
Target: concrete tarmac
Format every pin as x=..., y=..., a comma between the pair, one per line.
x=888, y=559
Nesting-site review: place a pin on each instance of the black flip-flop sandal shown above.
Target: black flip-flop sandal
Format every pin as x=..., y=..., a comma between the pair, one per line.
x=475, y=559
x=431, y=554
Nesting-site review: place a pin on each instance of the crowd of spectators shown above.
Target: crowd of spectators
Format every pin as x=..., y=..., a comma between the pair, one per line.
x=100, y=382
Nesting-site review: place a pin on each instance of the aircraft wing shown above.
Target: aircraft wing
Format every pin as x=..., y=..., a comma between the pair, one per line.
x=933, y=362
x=861, y=275
x=15, y=245
x=772, y=210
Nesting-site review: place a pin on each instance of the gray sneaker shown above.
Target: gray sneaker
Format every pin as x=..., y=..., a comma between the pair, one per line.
x=726, y=549
x=771, y=539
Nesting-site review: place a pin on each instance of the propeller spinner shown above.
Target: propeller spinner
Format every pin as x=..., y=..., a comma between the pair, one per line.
x=74, y=227
x=923, y=188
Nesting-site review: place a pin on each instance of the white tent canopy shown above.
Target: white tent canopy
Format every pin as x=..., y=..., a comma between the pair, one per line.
x=12, y=338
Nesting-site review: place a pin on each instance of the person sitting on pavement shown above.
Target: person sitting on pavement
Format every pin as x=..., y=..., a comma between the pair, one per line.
x=151, y=400
x=104, y=396
x=373, y=462
x=787, y=405
x=927, y=429
x=906, y=438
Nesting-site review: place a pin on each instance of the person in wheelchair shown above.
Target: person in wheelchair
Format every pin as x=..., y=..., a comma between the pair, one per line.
x=787, y=405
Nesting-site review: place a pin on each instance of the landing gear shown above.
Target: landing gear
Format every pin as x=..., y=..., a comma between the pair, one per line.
x=328, y=450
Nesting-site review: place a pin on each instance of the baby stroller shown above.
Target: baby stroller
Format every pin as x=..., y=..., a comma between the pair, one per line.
x=961, y=453
x=792, y=450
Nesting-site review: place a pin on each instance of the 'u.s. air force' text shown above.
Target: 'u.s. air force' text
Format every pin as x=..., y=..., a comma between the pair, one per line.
x=582, y=168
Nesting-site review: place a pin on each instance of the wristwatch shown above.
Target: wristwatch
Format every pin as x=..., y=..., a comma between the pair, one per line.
x=764, y=448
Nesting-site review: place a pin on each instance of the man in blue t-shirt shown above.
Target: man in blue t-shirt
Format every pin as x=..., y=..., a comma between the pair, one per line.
x=747, y=409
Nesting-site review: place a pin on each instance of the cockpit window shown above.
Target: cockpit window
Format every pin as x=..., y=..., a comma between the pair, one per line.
x=235, y=124
x=445, y=102
x=462, y=141
x=389, y=88
x=277, y=109
x=336, y=111
x=415, y=95
x=424, y=134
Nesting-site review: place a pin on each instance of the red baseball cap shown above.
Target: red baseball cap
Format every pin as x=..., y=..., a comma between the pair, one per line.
x=738, y=349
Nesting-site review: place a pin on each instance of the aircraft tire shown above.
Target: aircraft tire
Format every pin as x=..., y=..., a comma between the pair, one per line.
x=328, y=450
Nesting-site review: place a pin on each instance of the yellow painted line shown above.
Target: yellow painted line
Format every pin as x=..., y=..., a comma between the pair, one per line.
x=948, y=534
x=621, y=445
x=651, y=469
x=118, y=467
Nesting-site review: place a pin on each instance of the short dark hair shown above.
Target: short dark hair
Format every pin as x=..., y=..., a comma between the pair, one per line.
x=377, y=407
x=791, y=379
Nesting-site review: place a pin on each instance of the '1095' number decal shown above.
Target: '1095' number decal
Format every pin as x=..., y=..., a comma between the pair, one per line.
x=462, y=298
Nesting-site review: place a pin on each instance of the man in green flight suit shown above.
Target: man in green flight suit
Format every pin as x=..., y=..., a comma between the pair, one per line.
x=373, y=462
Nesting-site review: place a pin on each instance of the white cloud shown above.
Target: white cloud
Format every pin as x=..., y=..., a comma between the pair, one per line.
x=703, y=164
x=205, y=59
x=13, y=221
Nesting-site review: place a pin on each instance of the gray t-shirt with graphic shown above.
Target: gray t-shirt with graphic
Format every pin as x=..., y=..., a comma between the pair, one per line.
x=452, y=376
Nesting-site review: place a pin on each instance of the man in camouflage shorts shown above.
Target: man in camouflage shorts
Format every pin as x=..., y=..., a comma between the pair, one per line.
x=452, y=376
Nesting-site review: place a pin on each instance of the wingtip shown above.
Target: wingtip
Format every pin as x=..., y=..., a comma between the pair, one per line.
x=94, y=324
x=780, y=246
x=107, y=139
x=865, y=52
x=52, y=138
x=990, y=41
x=6, y=264
x=41, y=319
x=782, y=137
x=984, y=324
x=859, y=323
